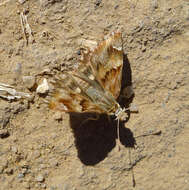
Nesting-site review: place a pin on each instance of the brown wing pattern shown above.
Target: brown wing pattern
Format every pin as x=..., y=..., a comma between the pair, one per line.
x=107, y=62
x=70, y=96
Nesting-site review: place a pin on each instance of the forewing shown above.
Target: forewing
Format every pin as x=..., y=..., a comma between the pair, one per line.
x=107, y=62
x=69, y=96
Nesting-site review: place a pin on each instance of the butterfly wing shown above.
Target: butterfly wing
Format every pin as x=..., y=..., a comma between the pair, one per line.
x=70, y=96
x=80, y=92
x=95, y=84
x=107, y=63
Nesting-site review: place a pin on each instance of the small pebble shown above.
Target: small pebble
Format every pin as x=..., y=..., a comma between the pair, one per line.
x=29, y=81
x=14, y=149
x=116, y=6
x=154, y=4
x=20, y=175
x=24, y=171
x=40, y=178
x=26, y=185
x=45, y=71
x=79, y=52
x=21, y=1
x=53, y=163
x=24, y=164
x=98, y=2
x=57, y=116
x=43, y=88
x=9, y=171
x=143, y=48
x=133, y=108
x=4, y=133
x=34, y=155
x=43, y=186
x=169, y=155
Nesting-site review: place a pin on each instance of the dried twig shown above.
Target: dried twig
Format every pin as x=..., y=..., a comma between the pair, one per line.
x=9, y=93
x=28, y=35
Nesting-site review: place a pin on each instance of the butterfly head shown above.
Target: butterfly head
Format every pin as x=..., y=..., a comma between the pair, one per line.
x=121, y=114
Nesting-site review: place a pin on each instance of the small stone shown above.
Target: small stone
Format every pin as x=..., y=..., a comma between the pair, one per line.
x=14, y=149
x=40, y=178
x=173, y=85
x=43, y=88
x=20, y=175
x=116, y=6
x=4, y=133
x=9, y=171
x=43, y=186
x=26, y=185
x=133, y=108
x=26, y=10
x=24, y=164
x=64, y=8
x=42, y=166
x=69, y=57
x=29, y=81
x=57, y=116
x=154, y=4
x=169, y=155
x=98, y=2
x=143, y=48
x=21, y=1
x=34, y=155
x=24, y=171
x=53, y=163
x=79, y=52
x=45, y=71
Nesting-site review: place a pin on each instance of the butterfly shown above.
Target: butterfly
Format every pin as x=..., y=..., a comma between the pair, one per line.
x=95, y=84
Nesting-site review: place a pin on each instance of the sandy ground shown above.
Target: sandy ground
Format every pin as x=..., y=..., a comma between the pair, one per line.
x=43, y=149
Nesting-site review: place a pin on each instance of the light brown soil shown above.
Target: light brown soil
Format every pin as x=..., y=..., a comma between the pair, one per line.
x=41, y=149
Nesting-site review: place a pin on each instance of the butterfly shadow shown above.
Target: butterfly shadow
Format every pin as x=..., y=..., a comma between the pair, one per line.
x=94, y=139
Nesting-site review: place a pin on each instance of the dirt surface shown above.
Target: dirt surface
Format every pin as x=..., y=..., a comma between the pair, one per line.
x=43, y=149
